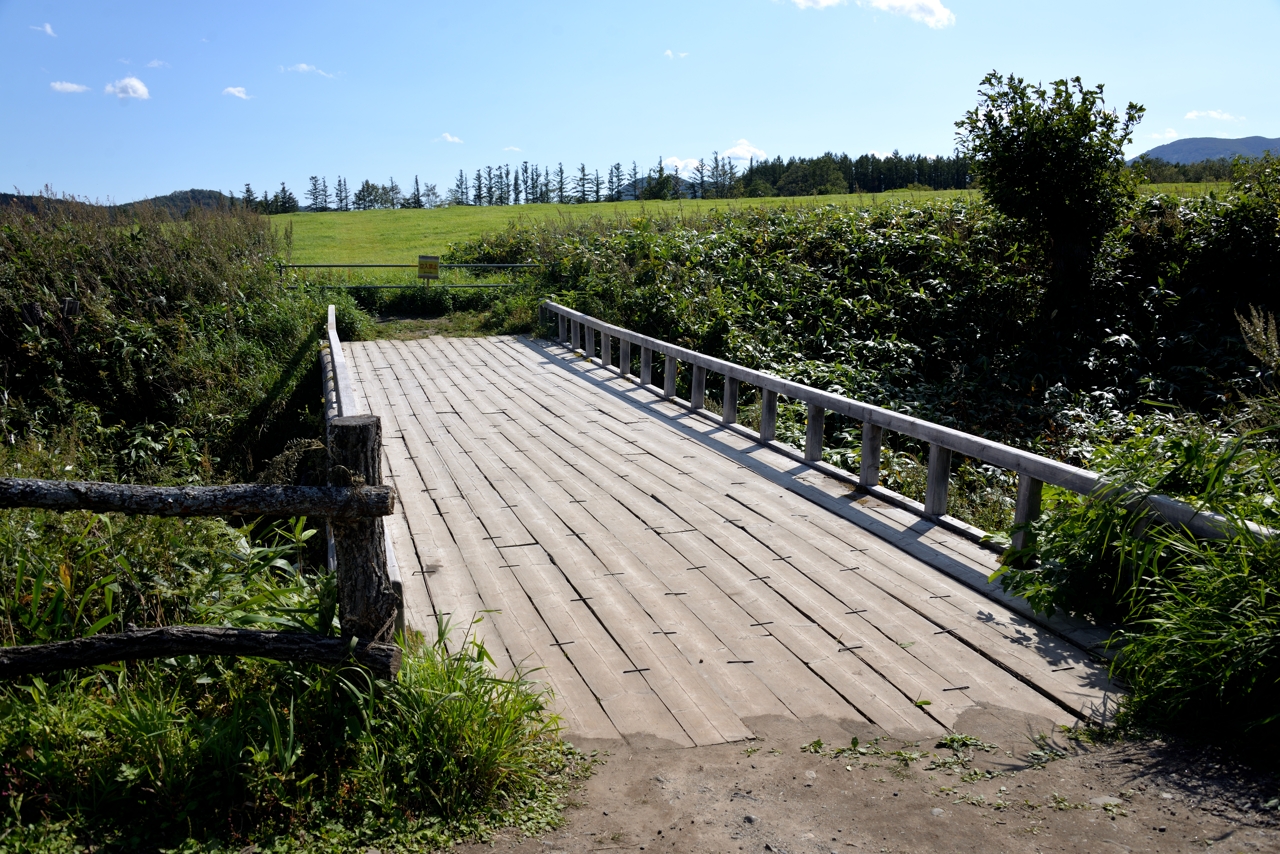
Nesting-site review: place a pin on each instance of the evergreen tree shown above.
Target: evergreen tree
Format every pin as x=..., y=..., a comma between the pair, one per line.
x=524, y=177
x=366, y=198
x=430, y=196
x=284, y=201
x=250, y=200
x=317, y=195
x=635, y=181
x=341, y=196
x=415, y=198
x=700, y=178
x=659, y=186
x=477, y=189
x=392, y=196
x=461, y=192
x=560, y=184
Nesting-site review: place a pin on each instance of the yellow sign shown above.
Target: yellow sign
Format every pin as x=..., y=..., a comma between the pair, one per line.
x=428, y=267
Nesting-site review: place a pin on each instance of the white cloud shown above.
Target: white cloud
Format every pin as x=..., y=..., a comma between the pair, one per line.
x=930, y=12
x=47, y=29
x=508, y=148
x=816, y=4
x=448, y=137
x=308, y=69
x=744, y=150
x=1214, y=114
x=157, y=63
x=1169, y=133
x=686, y=167
x=881, y=154
x=129, y=87
x=63, y=86
x=237, y=91
x=669, y=55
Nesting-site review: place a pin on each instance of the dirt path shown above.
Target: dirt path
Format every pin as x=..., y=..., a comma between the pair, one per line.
x=1019, y=793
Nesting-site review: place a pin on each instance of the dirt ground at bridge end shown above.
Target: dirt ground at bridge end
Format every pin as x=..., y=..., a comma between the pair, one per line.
x=1018, y=792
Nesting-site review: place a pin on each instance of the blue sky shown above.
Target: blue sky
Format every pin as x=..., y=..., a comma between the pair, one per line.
x=125, y=101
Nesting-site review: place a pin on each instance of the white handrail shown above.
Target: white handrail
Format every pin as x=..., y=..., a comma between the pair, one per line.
x=344, y=388
x=1033, y=469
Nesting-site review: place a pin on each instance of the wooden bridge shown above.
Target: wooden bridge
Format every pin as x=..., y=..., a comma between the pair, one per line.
x=672, y=577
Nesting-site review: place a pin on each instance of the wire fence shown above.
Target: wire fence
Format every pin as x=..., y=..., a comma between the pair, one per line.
x=519, y=266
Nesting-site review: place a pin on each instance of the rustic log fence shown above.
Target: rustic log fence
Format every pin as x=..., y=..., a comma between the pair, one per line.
x=581, y=332
x=353, y=504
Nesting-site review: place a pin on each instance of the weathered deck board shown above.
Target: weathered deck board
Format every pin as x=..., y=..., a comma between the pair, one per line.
x=673, y=579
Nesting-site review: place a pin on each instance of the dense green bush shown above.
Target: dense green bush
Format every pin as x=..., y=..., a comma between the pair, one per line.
x=180, y=325
x=191, y=361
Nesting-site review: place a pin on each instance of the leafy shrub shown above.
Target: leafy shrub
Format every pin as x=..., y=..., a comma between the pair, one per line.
x=180, y=325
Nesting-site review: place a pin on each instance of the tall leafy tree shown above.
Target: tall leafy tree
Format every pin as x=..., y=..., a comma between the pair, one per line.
x=1054, y=159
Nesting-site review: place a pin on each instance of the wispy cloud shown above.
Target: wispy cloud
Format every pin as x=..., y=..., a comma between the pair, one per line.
x=64, y=86
x=816, y=4
x=303, y=68
x=129, y=87
x=238, y=92
x=508, y=148
x=47, y=29
x=448, y=137
x=744, y=150
x=929, y=12
x=157, y=63
x=669, y=55
x=1214, y=114
x=1169, y=133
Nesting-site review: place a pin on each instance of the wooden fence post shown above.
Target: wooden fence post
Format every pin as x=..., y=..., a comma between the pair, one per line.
x=813, y=433
x=564, y=329
x=869, y=465
x=670, y=367
x=729, y=414
x=698, y=389
x=646, y=365
x=574, y=334
x=366, y=602
x=1027, y=509
x=624, y=357
x=768, y=415
x=939, y=479
x=606, y=349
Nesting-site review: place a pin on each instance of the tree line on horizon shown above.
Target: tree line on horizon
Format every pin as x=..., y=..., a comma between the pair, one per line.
x=716, y=178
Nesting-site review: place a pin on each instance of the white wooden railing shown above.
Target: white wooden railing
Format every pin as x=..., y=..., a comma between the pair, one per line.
x=580, y=331
x=340, y=401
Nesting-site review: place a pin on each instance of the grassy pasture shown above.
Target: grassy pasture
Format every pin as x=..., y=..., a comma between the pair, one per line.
x=398, y=236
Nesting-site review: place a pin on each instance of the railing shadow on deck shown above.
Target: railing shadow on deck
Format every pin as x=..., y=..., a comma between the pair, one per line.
x=1084, y=642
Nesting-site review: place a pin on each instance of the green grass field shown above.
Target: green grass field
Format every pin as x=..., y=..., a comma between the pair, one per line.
x=399, y=236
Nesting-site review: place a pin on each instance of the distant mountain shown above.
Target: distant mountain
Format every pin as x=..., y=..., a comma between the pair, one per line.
x=1197, y=148
x=177, y=203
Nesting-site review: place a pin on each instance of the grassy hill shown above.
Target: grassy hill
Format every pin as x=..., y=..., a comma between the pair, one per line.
x=399, y=236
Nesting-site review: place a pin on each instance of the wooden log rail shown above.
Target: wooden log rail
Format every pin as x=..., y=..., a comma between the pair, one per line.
x=580, y=332
x=383, y=659
x=236, y=500
x=370, y=608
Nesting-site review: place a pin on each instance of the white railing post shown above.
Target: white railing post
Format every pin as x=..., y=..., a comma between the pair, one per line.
x=813, y=433
x=869, y=464
x=1027, y=510
x=729, y=413
x=939, y=480
x=768, y=415
x=698, y=388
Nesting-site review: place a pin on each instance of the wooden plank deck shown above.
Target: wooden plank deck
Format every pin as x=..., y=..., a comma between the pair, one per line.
x=673, y=580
